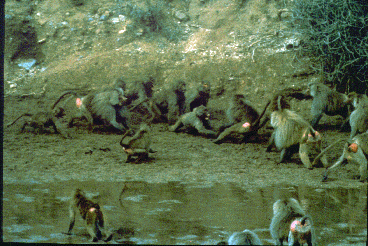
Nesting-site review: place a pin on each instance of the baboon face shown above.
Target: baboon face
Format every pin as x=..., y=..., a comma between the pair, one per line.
x=201, y=112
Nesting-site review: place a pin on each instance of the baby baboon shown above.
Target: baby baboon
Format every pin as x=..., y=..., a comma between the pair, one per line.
x=197, y=119
x=290, y=132
x=328, y=101
x=291, y=223
x=357, y=153
x=197, y=96
x=245, y=237
x=243, y=119
x=359, y=117
x=139, y=145
x=169, y=103
x=44, y=119
x=91, y=214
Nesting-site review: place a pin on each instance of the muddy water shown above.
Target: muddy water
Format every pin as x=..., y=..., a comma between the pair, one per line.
x=177, y=213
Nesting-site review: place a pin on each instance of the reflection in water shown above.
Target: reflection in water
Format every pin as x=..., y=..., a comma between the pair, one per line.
x=177, y=213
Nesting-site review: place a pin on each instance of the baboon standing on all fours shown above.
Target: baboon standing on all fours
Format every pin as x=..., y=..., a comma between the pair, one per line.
x=358, y=119
x=197, y=96
x=197, y=119
x=327, y=101
x=292, y=132
x=139, y=145
x=106, y=106
x=140, y=92
x=169, y=102
x=356, y=153
x=91, y=214
x=291, y=223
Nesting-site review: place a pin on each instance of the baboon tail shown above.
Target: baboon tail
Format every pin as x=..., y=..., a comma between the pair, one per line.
x=25, y=114
x=325, y=150
x=61, y=97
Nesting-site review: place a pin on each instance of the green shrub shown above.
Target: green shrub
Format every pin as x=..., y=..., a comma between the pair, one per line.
x=154, y=18
x=336, y=35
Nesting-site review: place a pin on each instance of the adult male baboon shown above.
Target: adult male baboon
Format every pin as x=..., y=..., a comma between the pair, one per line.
x=44, y=119
x=197, y=95
x=359, y=117
x=242, y=119
x=196, y=119
x=169, y=103
x=245, y=237
x=91, y=213
x=291, y=132
x=139, y=145
x=328, y=101
x=106, y=105
x=291, y=223
x=357, y=153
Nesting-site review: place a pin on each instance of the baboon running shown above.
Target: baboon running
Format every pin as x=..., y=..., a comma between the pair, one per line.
x=359, y=117
x=328, y=101
x=291, y=223
x=197, y=96
x=91, y=214
x=242, y=119
x=106, y=106
x=245, y=237
x=169, y=103
x=197, y=119
x=291, y=132
x=138, y=146
x=357, y=153
x=140, y=92
x=42, y=120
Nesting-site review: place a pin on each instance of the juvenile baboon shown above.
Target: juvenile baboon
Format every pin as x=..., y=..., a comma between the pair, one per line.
x=245, y=237
x=197, y=96
x=197, y=119
x=327, y=101
x=42, y=120
x=242, y=119
x=91, y=214
x=292, y=132
x=356, y=153
x=291, y=223
x=106, y=106
x=138, y=146
x=359, y=117
x=169, y=103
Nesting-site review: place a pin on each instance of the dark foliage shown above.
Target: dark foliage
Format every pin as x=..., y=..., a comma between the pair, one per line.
x=336, y=34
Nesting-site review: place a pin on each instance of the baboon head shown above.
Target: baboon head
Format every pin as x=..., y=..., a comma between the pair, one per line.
x=201, y=112
x=180, y=86
x=120, y=83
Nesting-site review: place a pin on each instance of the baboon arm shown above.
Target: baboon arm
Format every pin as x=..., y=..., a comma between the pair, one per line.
x=198, y=125
x=271, y=142
x=72, y=219
x=176, y=125
x=316, y=119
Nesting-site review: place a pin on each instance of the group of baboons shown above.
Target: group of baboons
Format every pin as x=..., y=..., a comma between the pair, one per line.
x=186, y=108
x=289, y=223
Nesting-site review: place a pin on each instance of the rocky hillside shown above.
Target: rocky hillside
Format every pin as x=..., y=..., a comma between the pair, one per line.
x=240, y=46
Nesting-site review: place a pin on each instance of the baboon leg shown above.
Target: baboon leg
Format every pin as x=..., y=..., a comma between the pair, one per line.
x=283, y=155
x=316, y=118
x=303, y=154
x=177, y=125
x=128, y=159
x=202, y=130
x=271, y=142
x=117, y=125
x=224, y=134
x=353, y=132
x=58, y=127
x=324, y=161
